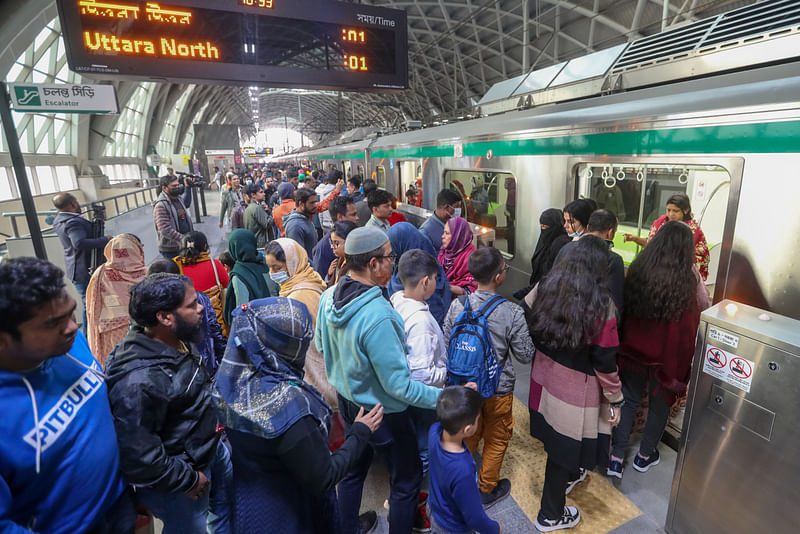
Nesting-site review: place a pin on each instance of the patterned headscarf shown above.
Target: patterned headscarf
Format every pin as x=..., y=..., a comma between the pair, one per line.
x=259, y=386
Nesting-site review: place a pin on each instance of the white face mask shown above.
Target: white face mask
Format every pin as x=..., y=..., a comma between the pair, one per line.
x=576, y=234
x=457, y=212
x=280, y=277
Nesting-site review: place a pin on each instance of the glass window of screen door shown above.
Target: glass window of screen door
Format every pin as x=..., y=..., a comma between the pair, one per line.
x=410, y=178
x=380, y=176
x=347, y=169
x=489, y=199
x=638, y=193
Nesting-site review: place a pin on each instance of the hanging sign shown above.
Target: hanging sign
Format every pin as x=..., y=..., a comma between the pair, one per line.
x=63, y=98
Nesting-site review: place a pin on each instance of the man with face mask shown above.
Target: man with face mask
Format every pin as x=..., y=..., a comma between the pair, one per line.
x=170, y=217
x=363, y=340
x=448, y=204
x=160, y=397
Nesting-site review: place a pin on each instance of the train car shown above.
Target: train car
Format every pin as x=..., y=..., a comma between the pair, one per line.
x=350, y=158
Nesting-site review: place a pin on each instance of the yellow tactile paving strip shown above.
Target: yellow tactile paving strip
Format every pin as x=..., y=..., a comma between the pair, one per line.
x=602, y=506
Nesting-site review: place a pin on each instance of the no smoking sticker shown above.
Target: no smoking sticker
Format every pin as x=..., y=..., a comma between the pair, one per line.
x=729, y=367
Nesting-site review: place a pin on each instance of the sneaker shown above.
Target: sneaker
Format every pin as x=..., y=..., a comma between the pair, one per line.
x=421, y=522
x=569, y=519
x=367, y=522
x=500, y=492
x=614, y=469
x=573, y=483
x=642, y=465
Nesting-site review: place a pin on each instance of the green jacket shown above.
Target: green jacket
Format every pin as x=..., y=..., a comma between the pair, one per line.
x=257, y=221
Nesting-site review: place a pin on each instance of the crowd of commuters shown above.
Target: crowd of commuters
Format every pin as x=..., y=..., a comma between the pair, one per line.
x=252, y=392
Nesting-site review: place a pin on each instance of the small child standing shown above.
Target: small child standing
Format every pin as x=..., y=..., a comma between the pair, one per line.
x=454, y=497
x=508, y=330
x=427, y=355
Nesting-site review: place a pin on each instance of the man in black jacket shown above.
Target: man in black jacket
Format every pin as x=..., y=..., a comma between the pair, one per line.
x=163, y=411
x=75, y=234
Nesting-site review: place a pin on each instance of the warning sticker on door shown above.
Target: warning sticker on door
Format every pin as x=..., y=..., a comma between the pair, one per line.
x=723, y=337
x=728, y=367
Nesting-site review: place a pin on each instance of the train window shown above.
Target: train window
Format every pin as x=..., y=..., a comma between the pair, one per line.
x=380, y=176
x=489, y=198
x=347, y=169
x=410, y=180
x=618, y=187
x=361, y=170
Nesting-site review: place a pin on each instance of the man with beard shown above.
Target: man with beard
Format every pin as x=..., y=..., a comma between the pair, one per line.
x=163, y=411
x=170, y=216
x=363, y=340
x=59, y=464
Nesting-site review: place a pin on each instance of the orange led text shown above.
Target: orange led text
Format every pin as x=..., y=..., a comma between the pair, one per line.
x=171, y=16
x=353, y=36
x=167, y=47
x=108, y=9
x=266, y=4
x=355, y=62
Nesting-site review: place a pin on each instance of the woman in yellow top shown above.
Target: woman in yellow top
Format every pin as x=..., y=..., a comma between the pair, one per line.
x=288, y=267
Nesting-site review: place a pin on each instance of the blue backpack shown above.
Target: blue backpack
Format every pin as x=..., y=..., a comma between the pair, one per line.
x=470, y=353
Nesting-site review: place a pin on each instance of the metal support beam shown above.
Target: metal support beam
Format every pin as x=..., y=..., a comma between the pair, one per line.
x=525, y=36
x=12, y=141
x=664, y=15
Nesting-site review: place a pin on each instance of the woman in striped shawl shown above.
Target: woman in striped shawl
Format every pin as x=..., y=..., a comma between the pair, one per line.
x=574, y=380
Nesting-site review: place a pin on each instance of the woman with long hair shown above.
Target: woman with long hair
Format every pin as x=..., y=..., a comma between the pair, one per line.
x=679, y=208
x=208, y=274
x=338, y=267
x=664, y=295
x=278, y=425
x=249, y=278
x=405, y=236
x=454, y=256
x=289, y=268
x=108, y=294
x=574, y=380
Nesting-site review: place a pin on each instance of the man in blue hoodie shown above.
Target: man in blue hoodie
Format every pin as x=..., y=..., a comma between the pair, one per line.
x=59, y=464
x=363, y=340
x=298, y=223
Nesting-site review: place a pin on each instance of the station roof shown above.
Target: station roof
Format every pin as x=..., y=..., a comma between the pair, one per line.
x=458, y=49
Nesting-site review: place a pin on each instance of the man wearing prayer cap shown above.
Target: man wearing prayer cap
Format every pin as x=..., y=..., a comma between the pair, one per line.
x=363, y=340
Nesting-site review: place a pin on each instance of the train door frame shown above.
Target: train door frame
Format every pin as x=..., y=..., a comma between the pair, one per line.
x=734, y=165
x=399, y=165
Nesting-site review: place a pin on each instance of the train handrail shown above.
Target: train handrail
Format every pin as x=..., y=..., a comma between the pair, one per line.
x=145, y=192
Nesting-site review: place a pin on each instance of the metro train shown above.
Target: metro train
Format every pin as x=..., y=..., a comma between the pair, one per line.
x=730, y=142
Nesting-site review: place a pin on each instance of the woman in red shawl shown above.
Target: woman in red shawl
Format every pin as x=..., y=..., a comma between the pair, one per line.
x=680, y=209
x=664, y=296
x=454, y=256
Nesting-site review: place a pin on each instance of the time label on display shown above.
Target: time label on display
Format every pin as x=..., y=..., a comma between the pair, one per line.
x=302, y=43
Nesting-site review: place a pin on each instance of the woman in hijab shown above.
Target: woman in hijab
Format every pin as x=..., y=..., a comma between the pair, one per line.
x=404, y=237
x=278, y=424
x=553, y=236
x=338, y=267
x=288, y=267
x=249, y=277
x=107, y=294
x=454, y=256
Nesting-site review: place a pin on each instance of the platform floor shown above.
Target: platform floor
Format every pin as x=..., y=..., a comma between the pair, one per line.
x=635, y=505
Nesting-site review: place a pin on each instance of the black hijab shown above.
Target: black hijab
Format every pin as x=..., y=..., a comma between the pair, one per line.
x=550, y=242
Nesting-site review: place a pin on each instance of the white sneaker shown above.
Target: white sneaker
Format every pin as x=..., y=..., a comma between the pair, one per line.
x=573, y=483
x=569, y=519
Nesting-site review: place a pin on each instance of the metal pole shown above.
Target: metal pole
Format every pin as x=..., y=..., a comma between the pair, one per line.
x=525, y=36
x=12, y=139
x=664, y=14
x=195, y=202
x=203, y=201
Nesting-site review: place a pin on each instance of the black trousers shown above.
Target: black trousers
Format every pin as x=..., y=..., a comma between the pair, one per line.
x=556, y=479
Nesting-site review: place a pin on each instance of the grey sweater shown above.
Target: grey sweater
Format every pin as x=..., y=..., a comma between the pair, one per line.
x=509, y=332
x=300, y=228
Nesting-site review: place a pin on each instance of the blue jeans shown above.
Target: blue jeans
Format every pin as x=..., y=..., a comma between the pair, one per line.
x=422, y=419
x=212, y=512
x=81, y=287
x=397, y=439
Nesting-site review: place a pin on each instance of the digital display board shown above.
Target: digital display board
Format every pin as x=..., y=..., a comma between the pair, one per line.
x=275, y=43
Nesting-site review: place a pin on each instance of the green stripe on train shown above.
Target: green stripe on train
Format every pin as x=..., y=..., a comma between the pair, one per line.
x=738, y=138
x=351, y=155
x=416, y=152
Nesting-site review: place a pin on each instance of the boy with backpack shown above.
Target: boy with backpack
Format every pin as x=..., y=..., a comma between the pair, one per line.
x=470, y=320
x=455, y=501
